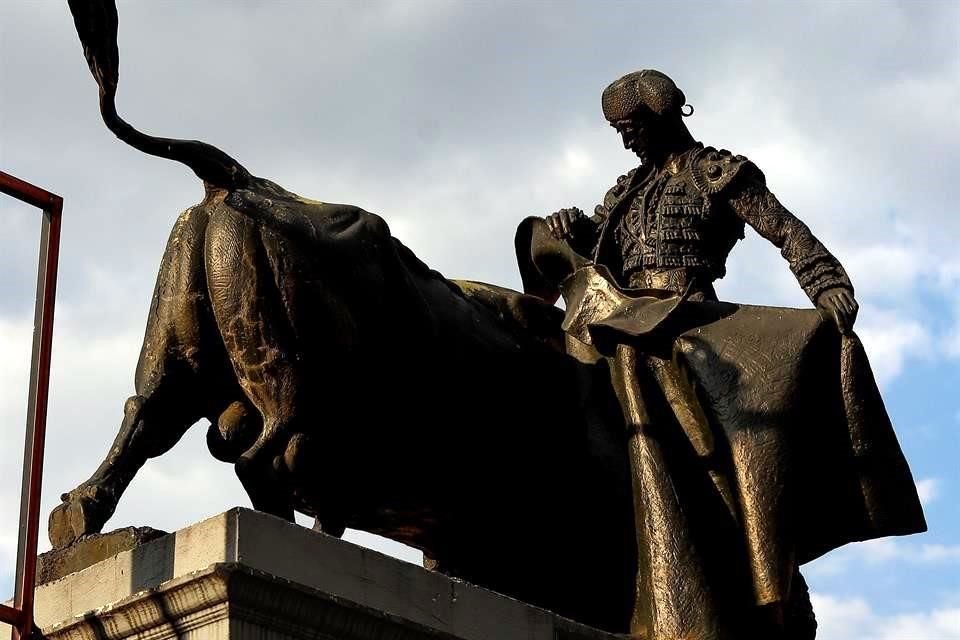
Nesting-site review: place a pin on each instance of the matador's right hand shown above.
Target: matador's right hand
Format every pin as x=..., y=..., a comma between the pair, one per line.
x=562, y=222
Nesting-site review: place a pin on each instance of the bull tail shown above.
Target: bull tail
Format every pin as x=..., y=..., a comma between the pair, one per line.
x=96, y=23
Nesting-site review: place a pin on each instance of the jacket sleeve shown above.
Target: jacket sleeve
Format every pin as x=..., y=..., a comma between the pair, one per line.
x=815, y=268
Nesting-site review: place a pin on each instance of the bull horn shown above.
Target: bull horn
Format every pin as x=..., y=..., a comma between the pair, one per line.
x=96, y=22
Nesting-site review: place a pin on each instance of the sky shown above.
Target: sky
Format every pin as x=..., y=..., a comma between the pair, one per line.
x=455, y=120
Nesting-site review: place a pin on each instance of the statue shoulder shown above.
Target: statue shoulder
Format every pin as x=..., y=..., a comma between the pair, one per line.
x=614, y=193
x=714, y=170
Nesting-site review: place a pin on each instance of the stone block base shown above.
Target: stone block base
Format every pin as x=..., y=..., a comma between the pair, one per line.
x=244, y=575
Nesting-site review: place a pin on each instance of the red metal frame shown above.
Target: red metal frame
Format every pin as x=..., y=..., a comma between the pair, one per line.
x=20, y=615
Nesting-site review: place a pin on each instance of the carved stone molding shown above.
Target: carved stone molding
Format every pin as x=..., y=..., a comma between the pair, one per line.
x=231, y=601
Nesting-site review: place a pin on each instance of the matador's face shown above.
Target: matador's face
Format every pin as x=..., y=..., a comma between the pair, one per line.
x=638, y=136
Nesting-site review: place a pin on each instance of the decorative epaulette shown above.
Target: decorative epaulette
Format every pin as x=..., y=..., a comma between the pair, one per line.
x=713, y=170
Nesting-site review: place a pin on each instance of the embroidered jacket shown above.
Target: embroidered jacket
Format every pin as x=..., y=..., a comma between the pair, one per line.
x=691, y=219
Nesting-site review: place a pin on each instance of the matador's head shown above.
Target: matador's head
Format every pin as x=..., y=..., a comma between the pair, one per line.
x=646, y=107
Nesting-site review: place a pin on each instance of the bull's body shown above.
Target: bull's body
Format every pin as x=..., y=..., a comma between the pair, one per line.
x=348, y=381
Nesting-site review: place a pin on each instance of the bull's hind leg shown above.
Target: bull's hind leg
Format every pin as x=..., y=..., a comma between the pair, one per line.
x=257, y=333
x=153, y=421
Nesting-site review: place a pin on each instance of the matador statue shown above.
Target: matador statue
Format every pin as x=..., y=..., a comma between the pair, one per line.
x=757, y=437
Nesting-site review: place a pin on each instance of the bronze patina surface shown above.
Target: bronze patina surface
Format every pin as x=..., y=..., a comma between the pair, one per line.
x=650, y=461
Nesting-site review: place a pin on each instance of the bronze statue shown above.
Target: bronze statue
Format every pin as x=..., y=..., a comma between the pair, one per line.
x=739, y=473
x=346, y=380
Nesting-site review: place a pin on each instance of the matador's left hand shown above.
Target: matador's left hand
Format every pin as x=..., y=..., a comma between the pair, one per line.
x=839, y=304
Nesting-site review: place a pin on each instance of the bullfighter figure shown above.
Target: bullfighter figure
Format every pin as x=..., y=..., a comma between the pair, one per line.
x=756, y=436
x=671, y=222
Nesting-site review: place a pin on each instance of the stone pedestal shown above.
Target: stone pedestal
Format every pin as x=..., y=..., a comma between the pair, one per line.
x=243, y=575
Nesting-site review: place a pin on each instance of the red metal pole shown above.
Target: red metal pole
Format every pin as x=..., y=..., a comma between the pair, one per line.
x=26, y=192
x=10, y=615
x=21, y=615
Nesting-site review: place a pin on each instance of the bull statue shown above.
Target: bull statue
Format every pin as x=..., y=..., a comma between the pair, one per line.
x=346, y=380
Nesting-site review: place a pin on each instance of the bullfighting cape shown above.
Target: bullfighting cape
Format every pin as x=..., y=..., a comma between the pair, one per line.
x=792, y=402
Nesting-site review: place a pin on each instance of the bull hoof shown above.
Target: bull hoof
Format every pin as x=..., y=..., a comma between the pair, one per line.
x=78, y=515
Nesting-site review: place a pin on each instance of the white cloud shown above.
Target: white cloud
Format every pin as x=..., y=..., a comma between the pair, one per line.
x=886, y=270
x=878, y=551
x=884, y=552
x=940, y=554
x=855, y=619
x=938, y=624
x=890, y=339
x=15, y=347
x=576, y=164
x=888, y=550
x=833, y=564
x=9, y=505
x=928, y=489
x=840, y=619
x=950, y=341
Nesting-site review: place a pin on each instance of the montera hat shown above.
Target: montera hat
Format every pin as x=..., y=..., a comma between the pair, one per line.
x=648, y=90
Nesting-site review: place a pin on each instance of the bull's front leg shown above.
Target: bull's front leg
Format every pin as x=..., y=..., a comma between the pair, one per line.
x=153, y=421
x=256, y=331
